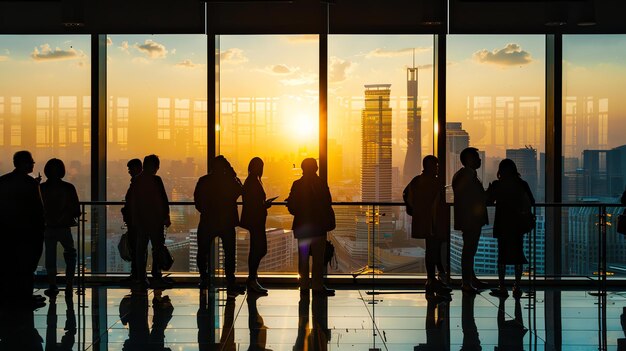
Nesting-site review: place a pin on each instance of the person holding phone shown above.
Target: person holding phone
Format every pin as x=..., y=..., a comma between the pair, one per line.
x=253, y=216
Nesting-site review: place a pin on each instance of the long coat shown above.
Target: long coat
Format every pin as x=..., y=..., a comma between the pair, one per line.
x=425, y=203
x=507, y=195
x=215, y=198
x=470, y=202
x=254, y=211
x=148, y=203
x=310, y=204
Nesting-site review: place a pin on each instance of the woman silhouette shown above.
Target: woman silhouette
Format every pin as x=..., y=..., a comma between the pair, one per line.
x=253, y=216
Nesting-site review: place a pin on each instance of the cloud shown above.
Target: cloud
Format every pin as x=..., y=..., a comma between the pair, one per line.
x=188, y=64
x=173, y=51
x=280, y=69
x=338, y=69
x=511, y=55
x=152, y=49
x=233, y=56
x=124, y=46
x=109, y=41
x=304, y=38
x=303, y=79
x=48, y=54
x=378, y=52
x=4, y=58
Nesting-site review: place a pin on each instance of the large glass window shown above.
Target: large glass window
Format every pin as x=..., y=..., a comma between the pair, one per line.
x=594, y=148
x=45, y=103
x=157, y=104
x=495, y=102
x=269, y=108
x=380, y=127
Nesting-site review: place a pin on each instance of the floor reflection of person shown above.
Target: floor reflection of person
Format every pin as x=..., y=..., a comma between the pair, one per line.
x=318, y=336
x=437, y=336
x=258, y=330
x=510, y=332
x=206, y=320
x=471, y=341
x=134, y=313
x=621, y=342
x=69, y=338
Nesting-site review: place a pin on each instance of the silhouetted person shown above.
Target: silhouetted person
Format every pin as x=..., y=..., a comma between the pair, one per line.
x=253, y=216
x=510, y=332
x=135, y=167
x=22, y=222
x=149, y=210
x=470, y=214
x=310, y=204
x=425, y=202
x=258, y=330
x=69, y=338
x=471, y=342
x=215, y=198
x=621, y=342
x=437, y=338
x=512, y=196
x=62, y=210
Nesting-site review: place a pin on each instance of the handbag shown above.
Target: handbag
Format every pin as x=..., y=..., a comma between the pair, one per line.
x=124, y=248
x=164, y=258
x=621, y=224
x=330, y=258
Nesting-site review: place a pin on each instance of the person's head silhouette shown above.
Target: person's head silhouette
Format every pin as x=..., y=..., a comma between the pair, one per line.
x=151, y=164
x=309, y=166
x=470, y=158
x=54, y=169
x=134, y=167
x=255, y=167
x=23, y=161
x=507, y=169
x=221, y=166
x=430, y=164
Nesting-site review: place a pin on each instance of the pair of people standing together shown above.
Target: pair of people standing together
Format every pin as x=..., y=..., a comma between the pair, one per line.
x=215, y=197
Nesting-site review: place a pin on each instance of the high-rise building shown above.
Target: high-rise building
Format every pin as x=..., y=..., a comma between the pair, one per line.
x=526, y=161
x=376, y=177
x=412, y=161
x=457, y=139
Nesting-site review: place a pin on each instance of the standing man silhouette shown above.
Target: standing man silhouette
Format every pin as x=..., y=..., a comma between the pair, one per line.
x=215, y=198
x=150, y=213
x=22, y=222
x=470, y=214
x=425, y=203
x=134, y=169
x=310, y=204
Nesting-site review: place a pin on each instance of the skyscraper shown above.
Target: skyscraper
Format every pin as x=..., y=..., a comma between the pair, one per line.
x=526, y=161
x=457, y=139
x=375, y=167
x=412, y=161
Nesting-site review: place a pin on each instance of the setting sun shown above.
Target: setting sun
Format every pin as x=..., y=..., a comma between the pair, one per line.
x=303, y=126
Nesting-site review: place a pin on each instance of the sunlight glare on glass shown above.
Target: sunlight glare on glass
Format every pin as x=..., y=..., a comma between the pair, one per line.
x=303, y=126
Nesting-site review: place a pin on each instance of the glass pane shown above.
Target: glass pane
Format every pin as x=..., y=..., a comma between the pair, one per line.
x=45, y=107
x=380, y=127
x=157, y=104
x=269, y=108
x=495, y=102
x=594, y=147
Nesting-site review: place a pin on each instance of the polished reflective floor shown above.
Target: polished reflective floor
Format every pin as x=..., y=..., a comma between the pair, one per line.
x=193, y=319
